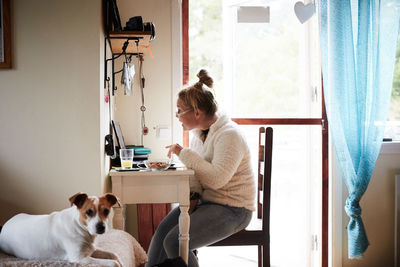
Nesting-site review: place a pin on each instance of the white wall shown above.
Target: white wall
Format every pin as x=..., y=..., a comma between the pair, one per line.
x=51, y=113
x=158, y=91
x=158, y=73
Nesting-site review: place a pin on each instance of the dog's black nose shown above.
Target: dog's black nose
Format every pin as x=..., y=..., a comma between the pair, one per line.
x=100, y=228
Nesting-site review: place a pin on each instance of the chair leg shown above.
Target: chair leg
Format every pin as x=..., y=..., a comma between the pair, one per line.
x=260, y=256
x=266, y=256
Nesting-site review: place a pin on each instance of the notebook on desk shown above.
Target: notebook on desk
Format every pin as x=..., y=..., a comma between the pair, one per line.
x=118, y=134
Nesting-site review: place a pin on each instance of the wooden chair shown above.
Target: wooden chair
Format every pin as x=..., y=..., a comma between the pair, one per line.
x=258, y=238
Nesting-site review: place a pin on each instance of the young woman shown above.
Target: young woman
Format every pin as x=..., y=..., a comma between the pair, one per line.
x=223, y=189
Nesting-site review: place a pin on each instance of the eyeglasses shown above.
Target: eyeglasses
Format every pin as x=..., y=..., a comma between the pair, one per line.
x=180, y=113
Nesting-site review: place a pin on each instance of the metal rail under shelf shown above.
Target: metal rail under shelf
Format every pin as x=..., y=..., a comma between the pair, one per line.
x=123, y=43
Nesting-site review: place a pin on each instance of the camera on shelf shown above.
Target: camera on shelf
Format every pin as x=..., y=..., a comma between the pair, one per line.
x=136, y=24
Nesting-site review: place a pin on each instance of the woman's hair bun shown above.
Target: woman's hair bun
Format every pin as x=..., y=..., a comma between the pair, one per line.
x=204, y=78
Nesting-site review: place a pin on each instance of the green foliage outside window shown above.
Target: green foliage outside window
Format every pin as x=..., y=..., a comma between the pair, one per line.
x=395, y=103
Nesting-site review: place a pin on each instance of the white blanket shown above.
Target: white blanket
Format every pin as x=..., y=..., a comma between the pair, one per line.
x=125, y=246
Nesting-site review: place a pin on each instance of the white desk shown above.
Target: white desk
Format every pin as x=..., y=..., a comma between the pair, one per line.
x=170, y=186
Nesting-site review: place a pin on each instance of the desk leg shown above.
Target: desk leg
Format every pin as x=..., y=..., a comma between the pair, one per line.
x=119, y=217
x=184, y=224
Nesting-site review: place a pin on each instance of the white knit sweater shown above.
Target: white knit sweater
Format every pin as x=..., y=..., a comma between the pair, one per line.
x=223, y=172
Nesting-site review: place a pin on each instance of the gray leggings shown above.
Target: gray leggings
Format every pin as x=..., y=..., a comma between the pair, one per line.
x=209, y=223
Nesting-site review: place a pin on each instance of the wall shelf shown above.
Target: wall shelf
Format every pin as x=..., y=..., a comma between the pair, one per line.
x=117, y=40
x=123, y=43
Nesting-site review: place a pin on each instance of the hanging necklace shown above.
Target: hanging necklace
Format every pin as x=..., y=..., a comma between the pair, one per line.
x=145, y=130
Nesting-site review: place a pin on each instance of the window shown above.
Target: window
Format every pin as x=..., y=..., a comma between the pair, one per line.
x=253, y=61
x=393, y=123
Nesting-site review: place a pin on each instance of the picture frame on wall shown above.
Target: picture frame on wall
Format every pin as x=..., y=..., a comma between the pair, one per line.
x=5, y=34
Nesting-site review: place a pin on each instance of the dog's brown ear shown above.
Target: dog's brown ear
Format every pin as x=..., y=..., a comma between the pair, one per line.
x=112, y=199
x=78, y=199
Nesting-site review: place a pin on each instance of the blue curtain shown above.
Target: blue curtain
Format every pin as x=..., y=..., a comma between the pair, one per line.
x=358, y=44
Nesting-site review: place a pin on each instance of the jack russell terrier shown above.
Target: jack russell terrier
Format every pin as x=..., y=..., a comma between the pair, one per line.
x=62, y=235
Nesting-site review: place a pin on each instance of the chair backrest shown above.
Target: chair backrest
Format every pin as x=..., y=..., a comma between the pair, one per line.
x=258, y=237
x=267, y=178
x=260, y=170
x=264, y=175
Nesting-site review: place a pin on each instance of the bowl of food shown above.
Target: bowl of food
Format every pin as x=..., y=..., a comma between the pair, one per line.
x=158, y=165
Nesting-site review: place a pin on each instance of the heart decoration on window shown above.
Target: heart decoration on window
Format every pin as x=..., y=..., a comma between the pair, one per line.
x=304, y=12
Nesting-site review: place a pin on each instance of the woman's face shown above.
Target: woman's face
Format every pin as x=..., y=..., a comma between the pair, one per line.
x=186, y=116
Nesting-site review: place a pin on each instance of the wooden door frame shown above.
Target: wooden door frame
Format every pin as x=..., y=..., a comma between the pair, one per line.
x=275, y=121
x=185, y=55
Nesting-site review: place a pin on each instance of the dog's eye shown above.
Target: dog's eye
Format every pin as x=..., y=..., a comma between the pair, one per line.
x=106, y=212
x=90, y=213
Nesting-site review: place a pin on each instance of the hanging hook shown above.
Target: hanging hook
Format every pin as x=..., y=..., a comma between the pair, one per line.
x=108, y=82
x=137, y=46
x=125, y=46
x=124, y=50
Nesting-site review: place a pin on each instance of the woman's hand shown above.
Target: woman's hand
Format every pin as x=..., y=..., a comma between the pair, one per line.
x=174, y=149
